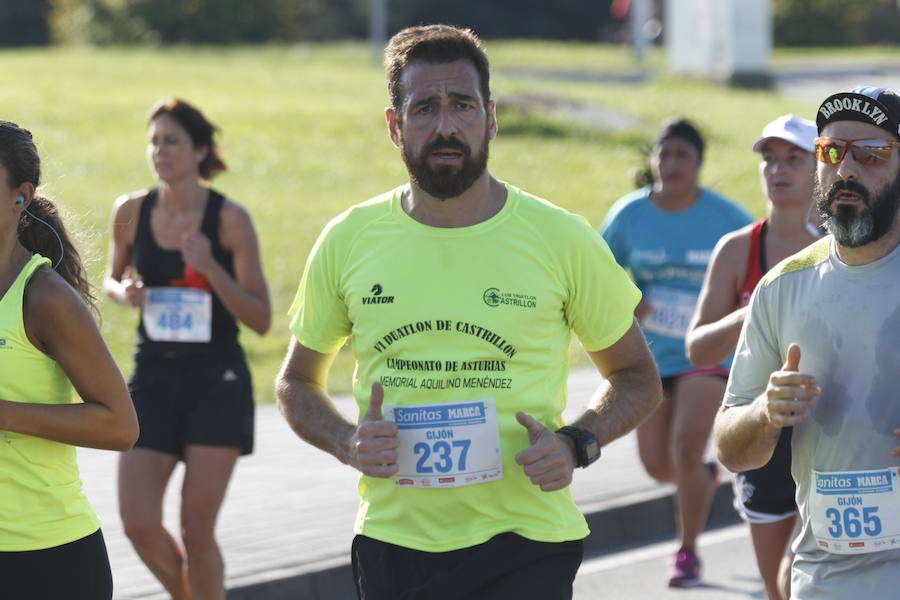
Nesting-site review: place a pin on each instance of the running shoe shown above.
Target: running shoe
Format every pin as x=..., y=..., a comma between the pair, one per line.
x=685, y=569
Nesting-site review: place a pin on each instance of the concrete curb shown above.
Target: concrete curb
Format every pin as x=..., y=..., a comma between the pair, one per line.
x=638, y=520
x=649, y=519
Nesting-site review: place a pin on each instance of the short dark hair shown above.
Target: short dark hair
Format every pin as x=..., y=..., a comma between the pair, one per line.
x=198, y=127
x=680, y=128
x=434, y=44
x=671, y=127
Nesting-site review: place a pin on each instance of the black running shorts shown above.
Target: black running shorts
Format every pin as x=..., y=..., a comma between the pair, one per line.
x=78, y=570
x=506, y=566
x=205, y=402
x=767, y=494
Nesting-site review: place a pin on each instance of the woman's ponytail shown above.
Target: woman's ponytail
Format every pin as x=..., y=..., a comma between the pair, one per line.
x=41, y=229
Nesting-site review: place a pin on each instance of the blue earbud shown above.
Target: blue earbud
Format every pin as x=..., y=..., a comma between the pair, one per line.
x=62, y=248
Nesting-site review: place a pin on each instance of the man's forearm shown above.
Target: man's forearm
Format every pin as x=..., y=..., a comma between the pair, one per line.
x=312, y=415
x=744, y=437
x=621, y=402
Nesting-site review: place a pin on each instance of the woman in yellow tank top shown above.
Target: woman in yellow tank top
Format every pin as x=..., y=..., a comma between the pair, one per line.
x=50, y=540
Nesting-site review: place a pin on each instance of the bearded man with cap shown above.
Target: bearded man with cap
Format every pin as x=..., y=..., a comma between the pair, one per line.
x=820, y=351
x=764, y=497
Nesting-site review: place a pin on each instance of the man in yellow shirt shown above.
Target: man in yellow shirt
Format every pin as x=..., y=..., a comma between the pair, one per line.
x=459, y=293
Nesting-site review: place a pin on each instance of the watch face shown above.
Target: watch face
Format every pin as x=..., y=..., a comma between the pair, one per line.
x=587, y=449
x=592, y=450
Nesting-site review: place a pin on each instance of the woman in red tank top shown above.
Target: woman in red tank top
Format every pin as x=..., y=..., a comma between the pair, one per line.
x=738, y=262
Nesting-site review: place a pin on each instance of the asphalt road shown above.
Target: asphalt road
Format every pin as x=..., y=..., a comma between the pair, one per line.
x=729, y=571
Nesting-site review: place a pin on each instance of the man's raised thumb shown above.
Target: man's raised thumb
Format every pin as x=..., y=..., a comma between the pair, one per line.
x=792, y=362
x=375, y=400
x=535, y=429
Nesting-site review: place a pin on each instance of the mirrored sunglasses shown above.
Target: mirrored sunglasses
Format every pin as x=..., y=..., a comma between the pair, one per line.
x=864, y=151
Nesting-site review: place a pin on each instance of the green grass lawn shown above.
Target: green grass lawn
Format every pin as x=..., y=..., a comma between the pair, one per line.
x=304, y=138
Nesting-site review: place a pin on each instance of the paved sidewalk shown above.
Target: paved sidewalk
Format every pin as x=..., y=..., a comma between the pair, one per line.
x=286, y=525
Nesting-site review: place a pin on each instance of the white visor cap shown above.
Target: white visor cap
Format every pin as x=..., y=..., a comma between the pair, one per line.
x=796, y=130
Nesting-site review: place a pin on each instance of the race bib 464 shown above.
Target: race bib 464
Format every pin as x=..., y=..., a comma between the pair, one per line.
x=176, y=314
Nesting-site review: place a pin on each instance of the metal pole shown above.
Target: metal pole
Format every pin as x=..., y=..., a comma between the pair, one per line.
x=640, y=14
x=378, y=29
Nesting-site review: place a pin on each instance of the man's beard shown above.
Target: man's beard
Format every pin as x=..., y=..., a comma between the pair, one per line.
x=855, y=226
x=446, y=181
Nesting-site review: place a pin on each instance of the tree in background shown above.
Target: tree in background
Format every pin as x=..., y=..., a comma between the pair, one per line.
x=25, y=23
x=561, y=19
x=207, y=21
x=260, y=21
x=836, y=22
x=796, y=22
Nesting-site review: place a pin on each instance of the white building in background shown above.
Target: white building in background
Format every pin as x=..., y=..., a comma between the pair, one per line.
x=724, y=40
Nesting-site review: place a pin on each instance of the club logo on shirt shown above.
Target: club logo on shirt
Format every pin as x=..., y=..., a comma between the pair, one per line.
x=376, y=297
x=494, y=297
x=3, y=345
x=650, y=255
x=698, y=257
x=491, y=297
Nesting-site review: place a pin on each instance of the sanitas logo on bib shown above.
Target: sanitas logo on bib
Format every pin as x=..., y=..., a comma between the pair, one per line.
x=494, y=297
x=3, y=345
x=376, y=297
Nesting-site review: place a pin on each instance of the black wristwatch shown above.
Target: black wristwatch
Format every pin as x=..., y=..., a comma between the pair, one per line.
x=587, y=449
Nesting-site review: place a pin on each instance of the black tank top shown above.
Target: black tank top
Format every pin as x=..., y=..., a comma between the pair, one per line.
x=165, y=268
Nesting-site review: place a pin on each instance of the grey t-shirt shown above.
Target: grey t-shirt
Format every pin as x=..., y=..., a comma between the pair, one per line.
x=847, y=322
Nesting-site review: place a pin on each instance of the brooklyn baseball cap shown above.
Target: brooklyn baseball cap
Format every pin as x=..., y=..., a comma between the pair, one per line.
x=796, y=130
x=874, y=105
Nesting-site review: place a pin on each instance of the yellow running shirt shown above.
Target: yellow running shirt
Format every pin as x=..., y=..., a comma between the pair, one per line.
x=41, y=503
x=476, y=320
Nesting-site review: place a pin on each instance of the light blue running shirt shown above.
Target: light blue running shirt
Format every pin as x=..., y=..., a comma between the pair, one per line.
x=667, y=253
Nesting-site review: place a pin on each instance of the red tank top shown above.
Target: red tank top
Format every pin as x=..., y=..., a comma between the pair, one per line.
x=756, y=261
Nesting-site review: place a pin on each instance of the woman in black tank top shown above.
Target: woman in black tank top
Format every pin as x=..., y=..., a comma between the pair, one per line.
x=188, y=258
x=763, y=497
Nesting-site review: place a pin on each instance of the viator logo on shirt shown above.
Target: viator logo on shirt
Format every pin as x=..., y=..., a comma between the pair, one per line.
x=376, y=297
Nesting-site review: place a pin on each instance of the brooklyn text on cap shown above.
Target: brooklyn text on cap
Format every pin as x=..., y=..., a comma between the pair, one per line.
x=791, y=128
x=873, y=105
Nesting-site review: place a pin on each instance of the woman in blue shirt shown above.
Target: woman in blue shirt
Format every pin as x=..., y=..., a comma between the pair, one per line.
x=664, y=234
